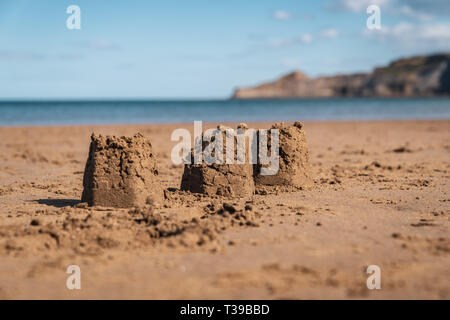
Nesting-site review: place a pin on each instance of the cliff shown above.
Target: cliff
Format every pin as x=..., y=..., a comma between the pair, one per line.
x=409, y=77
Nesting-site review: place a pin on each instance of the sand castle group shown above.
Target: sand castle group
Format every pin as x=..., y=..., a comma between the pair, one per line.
x=122, y=171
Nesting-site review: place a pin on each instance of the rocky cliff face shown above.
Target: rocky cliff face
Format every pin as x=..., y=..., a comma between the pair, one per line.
x=409, y=77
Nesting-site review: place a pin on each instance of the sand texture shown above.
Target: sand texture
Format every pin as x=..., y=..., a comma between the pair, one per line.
x=378, y=194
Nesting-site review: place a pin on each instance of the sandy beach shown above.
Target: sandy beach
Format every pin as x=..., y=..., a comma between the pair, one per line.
x=380, y=197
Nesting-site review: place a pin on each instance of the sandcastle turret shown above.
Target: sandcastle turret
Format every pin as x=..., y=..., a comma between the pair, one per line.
x=226, y=178
x=121, y=172
x=294, y=167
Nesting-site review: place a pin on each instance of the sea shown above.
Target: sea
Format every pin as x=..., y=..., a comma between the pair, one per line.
x=43, y=113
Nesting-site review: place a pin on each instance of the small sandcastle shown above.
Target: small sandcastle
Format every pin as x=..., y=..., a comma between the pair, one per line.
x=121, y=172
x=294, y=167
x=233, y=180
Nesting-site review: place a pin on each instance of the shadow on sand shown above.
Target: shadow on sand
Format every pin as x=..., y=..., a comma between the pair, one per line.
x=59, y=203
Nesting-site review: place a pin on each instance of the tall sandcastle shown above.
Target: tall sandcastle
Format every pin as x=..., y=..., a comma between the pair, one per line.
x=121, y=172
x=294, y=166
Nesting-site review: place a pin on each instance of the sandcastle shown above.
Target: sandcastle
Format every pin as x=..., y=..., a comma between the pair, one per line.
x=121, y=172
x=235, y=180
x=294, y=167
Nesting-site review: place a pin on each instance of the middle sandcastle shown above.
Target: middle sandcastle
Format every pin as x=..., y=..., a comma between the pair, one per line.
x=225, y=179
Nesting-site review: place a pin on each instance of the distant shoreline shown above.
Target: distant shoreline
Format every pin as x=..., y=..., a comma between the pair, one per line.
x=201, y=100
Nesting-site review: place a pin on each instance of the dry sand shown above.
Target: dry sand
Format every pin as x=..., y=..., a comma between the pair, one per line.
x=380, y=196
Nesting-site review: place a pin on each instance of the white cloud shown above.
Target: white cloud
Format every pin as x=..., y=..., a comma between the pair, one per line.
x=430, y=37
x=409, y=12
x=438, y=32
x=422, y=10
x=306, y=38
x=282, y=15
x=354, y=5
x=437, y=7
x=329, y=33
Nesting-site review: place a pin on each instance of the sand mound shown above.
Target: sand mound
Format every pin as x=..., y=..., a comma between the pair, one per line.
x=231, y=180
x=294, y=169
x=121, y=172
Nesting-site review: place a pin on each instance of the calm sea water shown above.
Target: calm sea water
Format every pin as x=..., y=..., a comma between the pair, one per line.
x=114, y=112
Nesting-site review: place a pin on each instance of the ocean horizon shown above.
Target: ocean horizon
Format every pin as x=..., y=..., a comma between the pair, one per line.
x=92, y=112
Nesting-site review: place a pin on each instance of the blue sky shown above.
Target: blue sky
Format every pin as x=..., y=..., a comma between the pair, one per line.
x=201, y=48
